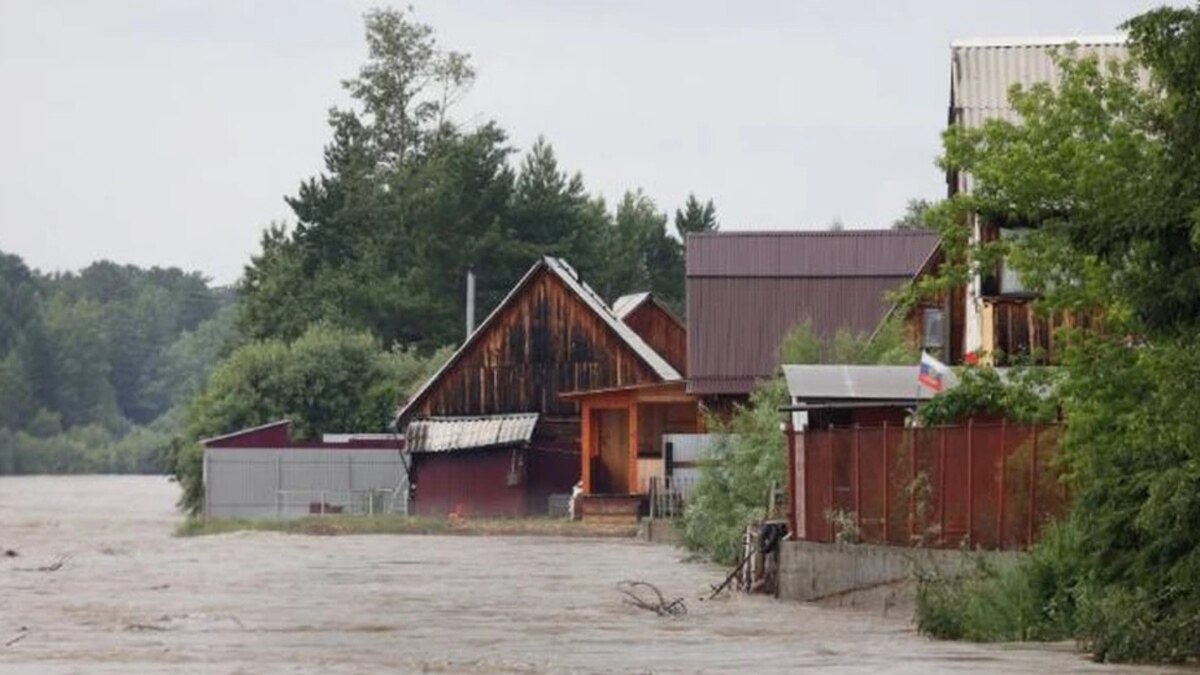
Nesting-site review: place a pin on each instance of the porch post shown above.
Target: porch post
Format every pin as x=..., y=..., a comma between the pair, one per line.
x=633, y=446
x=585, y=447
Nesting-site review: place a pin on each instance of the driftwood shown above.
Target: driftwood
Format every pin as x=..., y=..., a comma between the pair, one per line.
x=52, y=567
x=20, y=636
x=636, y=594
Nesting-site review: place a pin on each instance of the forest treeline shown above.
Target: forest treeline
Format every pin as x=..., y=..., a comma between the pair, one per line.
x=344, y=308
x=96, y=366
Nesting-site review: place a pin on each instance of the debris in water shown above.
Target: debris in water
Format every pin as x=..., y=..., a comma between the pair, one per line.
x=635, y=595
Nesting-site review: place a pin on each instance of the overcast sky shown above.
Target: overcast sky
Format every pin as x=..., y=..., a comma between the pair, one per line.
x=167, y=133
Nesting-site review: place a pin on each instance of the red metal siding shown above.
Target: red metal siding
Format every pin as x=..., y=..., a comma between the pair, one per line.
x=735, y=325
x=267, y=436
x=473, y=483
x=980, y=485
x=846, y=253
x=745, y=291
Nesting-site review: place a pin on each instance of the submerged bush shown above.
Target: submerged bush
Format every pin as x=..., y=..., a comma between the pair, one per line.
x=746, y=461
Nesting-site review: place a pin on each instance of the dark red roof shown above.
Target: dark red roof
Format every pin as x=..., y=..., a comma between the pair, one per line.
x=746, y=290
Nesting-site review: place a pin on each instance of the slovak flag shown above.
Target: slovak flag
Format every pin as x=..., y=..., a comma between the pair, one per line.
x=932, y=375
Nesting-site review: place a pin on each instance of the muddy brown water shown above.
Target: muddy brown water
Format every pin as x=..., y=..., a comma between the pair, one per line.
x=131, y=598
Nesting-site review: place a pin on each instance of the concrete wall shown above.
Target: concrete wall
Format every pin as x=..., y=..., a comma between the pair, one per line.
x=865, y=575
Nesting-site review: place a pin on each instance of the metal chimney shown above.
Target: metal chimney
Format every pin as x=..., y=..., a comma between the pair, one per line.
x=470, y=301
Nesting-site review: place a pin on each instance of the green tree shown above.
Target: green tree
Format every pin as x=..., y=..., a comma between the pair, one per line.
x=913, y=217
x=695, y=217
x=330, y=379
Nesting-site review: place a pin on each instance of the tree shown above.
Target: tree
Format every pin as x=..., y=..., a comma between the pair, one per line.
x=695, y=217
x=328, y=379
x=406, y=88
x=914, y=214
x=1106, y=168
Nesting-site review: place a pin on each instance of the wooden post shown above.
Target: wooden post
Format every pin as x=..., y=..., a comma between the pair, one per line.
x=1032, y=488
x=942, y=485
x=857, y=483
x=832, y=487
x=970, y=482
x=633, y=447
x=793, y=495
x=912, y=485
x=586, y=448
x=1000, y=483
x=887, y=482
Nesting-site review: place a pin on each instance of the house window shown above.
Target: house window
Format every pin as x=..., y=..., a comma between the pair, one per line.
x=1010, y=280
x=931, y=330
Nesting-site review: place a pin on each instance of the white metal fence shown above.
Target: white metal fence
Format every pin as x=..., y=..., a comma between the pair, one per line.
x=295, y=482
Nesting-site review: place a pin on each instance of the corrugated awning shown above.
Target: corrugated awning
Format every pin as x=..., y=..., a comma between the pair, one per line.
x=850, y=383
x=448, y=434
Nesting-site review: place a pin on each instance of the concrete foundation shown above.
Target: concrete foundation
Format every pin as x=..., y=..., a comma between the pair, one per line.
x=860, y=575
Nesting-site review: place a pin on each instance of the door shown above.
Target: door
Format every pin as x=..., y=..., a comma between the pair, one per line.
x=612, y=468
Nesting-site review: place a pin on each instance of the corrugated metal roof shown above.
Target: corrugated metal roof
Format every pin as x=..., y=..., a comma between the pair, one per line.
x=868, y=383
x=983, y=70
x=845, y=253
x=589, y=297
x=625, y=304
x=447, y=434
x=745, y=291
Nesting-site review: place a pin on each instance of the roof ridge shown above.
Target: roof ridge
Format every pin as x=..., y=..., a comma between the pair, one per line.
x=815, y=233
x=1046, y=41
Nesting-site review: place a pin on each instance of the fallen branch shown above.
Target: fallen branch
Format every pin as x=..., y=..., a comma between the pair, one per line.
x=52, y=567
x=21, y=636
x=635, y=595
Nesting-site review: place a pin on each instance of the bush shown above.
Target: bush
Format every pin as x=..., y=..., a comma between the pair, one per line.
x=1031, y=600
x=744, y=463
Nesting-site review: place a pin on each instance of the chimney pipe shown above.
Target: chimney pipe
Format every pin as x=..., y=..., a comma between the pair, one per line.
x=470, y=301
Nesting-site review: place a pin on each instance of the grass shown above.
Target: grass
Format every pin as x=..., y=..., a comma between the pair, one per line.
x=333, y=525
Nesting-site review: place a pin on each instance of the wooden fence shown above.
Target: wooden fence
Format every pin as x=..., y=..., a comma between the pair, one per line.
x=990, y=486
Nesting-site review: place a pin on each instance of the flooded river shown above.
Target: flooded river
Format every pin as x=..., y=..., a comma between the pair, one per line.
x=100, y=585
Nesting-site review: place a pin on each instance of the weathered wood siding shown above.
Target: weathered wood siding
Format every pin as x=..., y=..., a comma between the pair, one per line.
x=662, y=332
x=545, y=342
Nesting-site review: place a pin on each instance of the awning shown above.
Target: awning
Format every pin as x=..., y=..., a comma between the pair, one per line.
x=449, y=434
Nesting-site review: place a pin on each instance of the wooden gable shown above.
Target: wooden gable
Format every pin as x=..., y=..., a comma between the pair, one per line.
x=544, y=340
x=662, y=330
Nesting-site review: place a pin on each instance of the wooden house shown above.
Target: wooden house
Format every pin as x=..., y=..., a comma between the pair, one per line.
x=551, y=335
x=999, y=321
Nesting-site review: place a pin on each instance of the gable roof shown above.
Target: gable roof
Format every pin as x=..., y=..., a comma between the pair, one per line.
x=746, y=290
x=570, y=278
x=982, y=70
x=626, y=305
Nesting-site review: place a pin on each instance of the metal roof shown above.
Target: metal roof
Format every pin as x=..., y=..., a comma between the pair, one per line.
x=448, y=434
x=845, y=253
x=983, y=70
x=631, y=339
x=745, y=291
x=624, y=305
x=870, y=383
x=561, y=269
x=244, y=432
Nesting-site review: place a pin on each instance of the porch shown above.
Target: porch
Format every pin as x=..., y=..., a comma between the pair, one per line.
x=621, y=444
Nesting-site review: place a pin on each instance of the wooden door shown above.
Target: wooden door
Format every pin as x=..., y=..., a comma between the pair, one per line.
x=613, y=465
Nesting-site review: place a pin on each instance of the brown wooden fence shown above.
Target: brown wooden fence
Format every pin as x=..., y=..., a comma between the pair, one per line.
x=990, y=486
